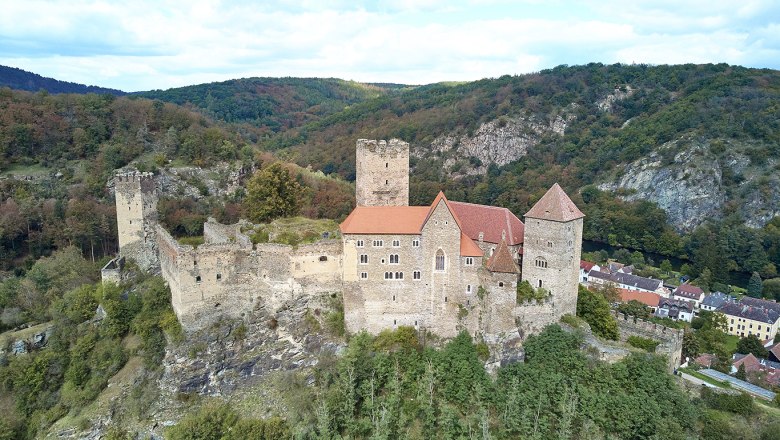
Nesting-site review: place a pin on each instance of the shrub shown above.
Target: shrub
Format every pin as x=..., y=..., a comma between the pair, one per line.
x=646, y=344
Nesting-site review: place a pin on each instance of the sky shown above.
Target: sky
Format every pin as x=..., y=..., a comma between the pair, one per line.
x=158, y=44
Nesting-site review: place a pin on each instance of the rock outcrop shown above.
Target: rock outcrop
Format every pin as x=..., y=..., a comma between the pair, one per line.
x=693, y=183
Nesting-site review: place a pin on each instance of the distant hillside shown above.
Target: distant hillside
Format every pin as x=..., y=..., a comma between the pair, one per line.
x=19, y=79
x=273, y=104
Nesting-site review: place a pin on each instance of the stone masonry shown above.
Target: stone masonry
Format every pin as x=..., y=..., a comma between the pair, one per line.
x=136, y=217
x=382, y=173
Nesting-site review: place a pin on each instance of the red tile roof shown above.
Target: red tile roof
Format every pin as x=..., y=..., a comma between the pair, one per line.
x=647, y=298
x=705, y=360
x=688, y=291
x=555, y=205
x=586, y=265
x=468, y=248
x=502, y=261
x=492, y=221
x=750, y=362
x=385, y=220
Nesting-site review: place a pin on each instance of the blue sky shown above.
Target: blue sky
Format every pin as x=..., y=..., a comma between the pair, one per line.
x=158, y=44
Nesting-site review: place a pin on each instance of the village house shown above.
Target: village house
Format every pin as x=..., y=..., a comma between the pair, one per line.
x=714, y=301
x=678, y=310
x=757, y=369
x=752, y=316
x=689, y=292
x=585, y=268
x=627, y=281
x=650, y=299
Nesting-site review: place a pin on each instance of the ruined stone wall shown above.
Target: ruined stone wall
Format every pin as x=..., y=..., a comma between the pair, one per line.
x=136, y=212
x=558, y=245
x=671, y=339
x=112, y=271
x=226, y=277
x=500, y=296
x=382, y=173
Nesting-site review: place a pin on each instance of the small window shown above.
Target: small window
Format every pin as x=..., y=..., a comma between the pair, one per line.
x=379, y=243
x=323, y=258
x=387, y=164
x=399, y=275
x=219, y=276
x=445, y=299
x=394, y=259
x=416, y=275
x=416, y=242
x=549, y=244
x=388, y=275
x=194, y=262
x=500, y=284
x=197, y=279
x=468, y=288
x=387, y=182
x=363, y=259
x=396, y=243
x=446, y=222
x=363, y=275
x=359, y=243
x=469, y=261
x=540, y=283
x=131, y=222
x=393, y=297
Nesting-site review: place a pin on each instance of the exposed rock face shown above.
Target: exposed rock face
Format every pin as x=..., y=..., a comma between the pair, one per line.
x=686, y=179
x=619, y=94
x=498, y=142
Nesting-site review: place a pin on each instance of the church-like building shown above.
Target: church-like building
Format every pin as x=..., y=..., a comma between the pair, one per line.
x=452, y=266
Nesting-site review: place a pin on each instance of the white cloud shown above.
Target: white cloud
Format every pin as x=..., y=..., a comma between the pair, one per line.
x=159, y=44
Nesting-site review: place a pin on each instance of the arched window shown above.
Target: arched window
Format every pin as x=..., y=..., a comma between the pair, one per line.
x=439, y=260
x=540, y=262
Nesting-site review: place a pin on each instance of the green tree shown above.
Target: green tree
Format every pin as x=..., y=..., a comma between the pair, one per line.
x=594, y=309
x=771, y=289
x=751, y=344
x=755, y=285
x=666, y=267
x=741, y=373
x=635, y=308
x=272, y=193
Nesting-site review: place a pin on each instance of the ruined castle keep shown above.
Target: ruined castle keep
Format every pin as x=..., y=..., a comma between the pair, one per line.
x=445, y=268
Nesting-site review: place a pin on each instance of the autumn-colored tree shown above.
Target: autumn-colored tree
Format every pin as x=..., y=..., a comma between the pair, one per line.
x=272, y=193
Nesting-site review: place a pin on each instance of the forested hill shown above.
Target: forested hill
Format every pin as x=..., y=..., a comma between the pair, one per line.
x=273, y=104
x=19, y=79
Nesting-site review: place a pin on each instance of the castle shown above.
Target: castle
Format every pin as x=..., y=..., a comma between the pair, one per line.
x=444, y=268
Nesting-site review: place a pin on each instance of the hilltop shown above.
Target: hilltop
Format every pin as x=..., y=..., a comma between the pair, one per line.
x=19, y=79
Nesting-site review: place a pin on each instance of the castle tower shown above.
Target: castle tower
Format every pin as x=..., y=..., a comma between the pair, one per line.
x=136, y=217
x=552, y=247
x=382, y=173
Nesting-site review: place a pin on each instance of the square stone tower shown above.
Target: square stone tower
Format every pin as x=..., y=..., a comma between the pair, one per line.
x=382, y=173
x=136, y=217
x=552, y=248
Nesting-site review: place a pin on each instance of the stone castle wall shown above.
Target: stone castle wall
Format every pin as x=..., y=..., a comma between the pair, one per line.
x=227, y=277
x=382, y=173
x=671, y=339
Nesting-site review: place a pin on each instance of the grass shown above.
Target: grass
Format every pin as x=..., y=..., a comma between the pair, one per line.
x=191, y=241
x=24, y=334
x=26, y=170
x=731, y=343
x=294, y=231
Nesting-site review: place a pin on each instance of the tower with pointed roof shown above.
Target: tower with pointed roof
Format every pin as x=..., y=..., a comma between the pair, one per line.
x=551, y=248
x=382, y=173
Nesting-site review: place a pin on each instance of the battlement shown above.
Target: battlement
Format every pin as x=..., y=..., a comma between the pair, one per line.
x=670, y=338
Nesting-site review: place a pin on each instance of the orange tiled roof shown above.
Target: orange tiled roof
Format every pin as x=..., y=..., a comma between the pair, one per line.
x=555, y=205
x=647, y=298
x=492, y=221
x=502, y=260
x=385, y=220
x=468, y=248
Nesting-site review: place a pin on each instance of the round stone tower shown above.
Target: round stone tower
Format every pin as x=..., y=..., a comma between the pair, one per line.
x=382, y=173
x=136, y=217
x=552, y=247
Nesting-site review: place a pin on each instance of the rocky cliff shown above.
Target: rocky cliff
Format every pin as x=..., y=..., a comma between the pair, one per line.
x=696, y=179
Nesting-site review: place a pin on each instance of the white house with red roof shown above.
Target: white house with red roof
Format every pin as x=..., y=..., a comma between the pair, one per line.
x=689, y=292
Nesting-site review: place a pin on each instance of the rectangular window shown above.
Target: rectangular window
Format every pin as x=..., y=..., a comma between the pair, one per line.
x=359, y=243
x=393, y=258
x=363, y=275
x=469, y=261
x=396, y=243
x=416, y=275
x=399, y=275
x=379, y=243
x=363, y=259
x=415, y=242
x=388, y=275
x=197, y=279
x=219, y=276
x=468, y=288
